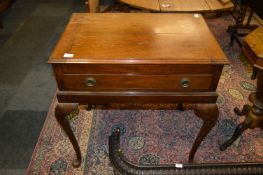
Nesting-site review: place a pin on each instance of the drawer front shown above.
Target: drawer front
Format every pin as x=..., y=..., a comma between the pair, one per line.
x=116, y=82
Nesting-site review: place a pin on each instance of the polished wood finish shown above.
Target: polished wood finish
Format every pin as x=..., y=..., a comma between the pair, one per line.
x=224, y=1
x=184, y=5
x=138, y=38
x=135, y=97
x=180, y=5
x=79, y=82
x=255, y=42
x=253, y=114
x=149, y=51
x=62, y=111
x=209, y=114
x=217, y=5
x=139, y=58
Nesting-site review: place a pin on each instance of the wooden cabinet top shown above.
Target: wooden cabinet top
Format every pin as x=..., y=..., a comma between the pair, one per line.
x=137, y=38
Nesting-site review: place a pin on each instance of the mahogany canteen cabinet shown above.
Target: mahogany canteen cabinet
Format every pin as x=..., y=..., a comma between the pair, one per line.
x=106, y=58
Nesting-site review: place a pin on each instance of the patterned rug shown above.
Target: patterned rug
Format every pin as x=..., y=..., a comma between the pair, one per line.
x=155, y=134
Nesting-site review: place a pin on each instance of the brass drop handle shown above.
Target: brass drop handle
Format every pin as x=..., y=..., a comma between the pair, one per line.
x=90, y=81
x=185, y=82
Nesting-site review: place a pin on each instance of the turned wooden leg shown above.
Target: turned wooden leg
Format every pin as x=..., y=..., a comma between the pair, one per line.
x=180, y=107
x=209, y=114
x=254, y=73
x=94, y=6
x=245, y=110
x=239, y=130
x=232, y=38
x=61, y=113
x=254, y=114
x=89, y=107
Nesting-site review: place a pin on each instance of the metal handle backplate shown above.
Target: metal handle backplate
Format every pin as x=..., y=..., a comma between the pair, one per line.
x=185, y=82
x=90, y=81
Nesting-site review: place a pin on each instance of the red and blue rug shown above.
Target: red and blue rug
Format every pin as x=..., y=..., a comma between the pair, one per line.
x=155, y=134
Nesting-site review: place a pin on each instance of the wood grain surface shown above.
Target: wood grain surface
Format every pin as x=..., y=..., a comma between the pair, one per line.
x=180, y=5
x=138, y=38
x=255, y=41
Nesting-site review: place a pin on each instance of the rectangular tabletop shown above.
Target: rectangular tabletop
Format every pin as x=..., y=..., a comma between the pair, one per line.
x=138, y=38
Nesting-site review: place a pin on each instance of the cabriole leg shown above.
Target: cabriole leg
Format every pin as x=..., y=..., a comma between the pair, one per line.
x=62, y=113
x=209, y=114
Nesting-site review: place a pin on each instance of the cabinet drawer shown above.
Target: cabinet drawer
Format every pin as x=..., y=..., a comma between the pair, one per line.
x=101, y=82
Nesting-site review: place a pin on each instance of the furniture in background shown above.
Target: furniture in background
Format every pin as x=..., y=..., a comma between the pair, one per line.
x=171, y=5
x=93, y=6
x=253, y=50
x=242, y=26
x=122, y=165
x=180, y=5
x=140, y=58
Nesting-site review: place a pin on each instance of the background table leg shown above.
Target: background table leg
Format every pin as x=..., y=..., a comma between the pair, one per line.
x=253, y=114
x=94, y=6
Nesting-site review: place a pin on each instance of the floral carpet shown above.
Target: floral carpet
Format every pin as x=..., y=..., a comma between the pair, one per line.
x=155, y=134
